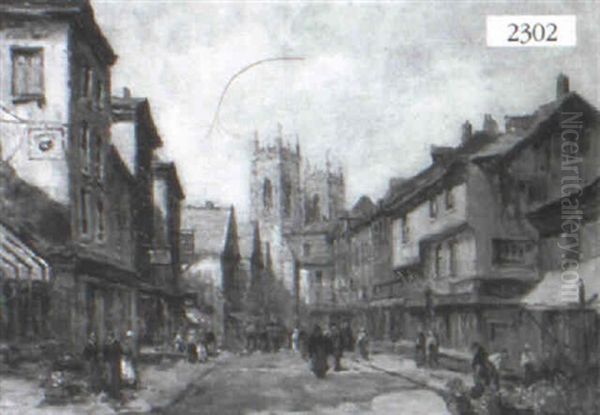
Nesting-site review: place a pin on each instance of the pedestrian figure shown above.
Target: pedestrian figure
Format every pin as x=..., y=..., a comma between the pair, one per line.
x=112, y=357
x=337, y=347
x=91, y=354
x=362, y=343
x=420, y=349
x=499, y=363
x=481, y=368
x=191, y=349
x=528, y=365
x=201, y=352
x=210, y=341
x=319, y=348
x=432, y=347
x=348, y=337
x=296, y=340
x=129, y=361
x=303, y=343
x=179, y=343
x=250, y=337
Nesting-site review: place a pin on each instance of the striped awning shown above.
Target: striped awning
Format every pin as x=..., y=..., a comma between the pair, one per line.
x=18, y=261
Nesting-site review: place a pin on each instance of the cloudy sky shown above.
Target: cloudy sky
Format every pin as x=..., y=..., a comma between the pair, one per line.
x=379, y=83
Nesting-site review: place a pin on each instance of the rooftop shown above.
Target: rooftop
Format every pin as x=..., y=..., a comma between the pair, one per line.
x=80, y=12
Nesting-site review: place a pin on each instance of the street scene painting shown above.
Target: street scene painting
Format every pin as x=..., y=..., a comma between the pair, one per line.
x=330, y=207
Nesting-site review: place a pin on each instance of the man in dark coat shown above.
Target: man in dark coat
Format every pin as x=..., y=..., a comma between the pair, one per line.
x=337, y=346
x=112, y=357
x=91, y=354
x=348, y=337
x=319, y=347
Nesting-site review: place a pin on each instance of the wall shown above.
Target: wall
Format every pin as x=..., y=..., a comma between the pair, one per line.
x=48, y=171
x=421, y=225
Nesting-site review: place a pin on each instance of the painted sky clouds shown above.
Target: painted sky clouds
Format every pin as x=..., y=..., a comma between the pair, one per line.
x=379, y=83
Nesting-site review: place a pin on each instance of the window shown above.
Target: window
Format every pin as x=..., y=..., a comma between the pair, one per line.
x=100, y=221
x=28, y=73
x=84, y=144
x=508, y=251
x=267, y=194
x=86, y=81
x=405, y=230
x=99, y=93
x=438, y=261
x=98, y=157
x=83, y=211
x=319, y=277
x=306, y=249
x=433, y=207
x=452, y=259
x=449, y=199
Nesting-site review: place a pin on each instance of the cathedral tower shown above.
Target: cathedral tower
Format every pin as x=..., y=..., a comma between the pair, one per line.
x=276, y=199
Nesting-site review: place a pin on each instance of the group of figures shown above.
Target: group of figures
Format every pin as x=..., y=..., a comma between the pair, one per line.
x=320, y=345
x=427, y=349
x=267, y=338
x=499, y=387
x=196, y=347
x=113, y=365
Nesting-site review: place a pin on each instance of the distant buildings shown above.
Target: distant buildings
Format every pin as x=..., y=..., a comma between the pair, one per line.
x=474, y=246
x=79, y=186
x=213, y=272
x=292, y=206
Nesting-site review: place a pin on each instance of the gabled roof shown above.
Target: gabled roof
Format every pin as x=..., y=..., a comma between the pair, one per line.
x=136, y=109
x=210, y=227
x=169, y=170
x=78, y=11
x=418, y=184
x=511, y=143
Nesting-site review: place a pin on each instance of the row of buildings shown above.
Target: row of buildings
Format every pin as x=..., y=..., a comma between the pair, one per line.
x=89, y=212
x=494, y=242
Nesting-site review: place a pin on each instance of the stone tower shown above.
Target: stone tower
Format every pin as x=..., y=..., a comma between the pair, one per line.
x=324, y=193
x=276, y=199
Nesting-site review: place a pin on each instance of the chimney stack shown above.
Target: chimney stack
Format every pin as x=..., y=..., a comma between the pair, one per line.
x=562, y=85
x=490, y=126
x=467, y=132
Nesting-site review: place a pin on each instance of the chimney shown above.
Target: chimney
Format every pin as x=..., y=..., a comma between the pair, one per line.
x=490, y=126
x=441, y=154
x=126, y=92
x=562, y=85
x=467, y=132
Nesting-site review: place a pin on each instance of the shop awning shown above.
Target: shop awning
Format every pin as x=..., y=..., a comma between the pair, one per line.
x=18, y=261
x=195, y=316
x=549, y=293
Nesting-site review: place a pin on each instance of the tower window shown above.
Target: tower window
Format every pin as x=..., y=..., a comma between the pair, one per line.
x=267, y=194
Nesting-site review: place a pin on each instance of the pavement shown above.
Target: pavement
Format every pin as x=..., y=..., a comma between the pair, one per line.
x=281, y=383
x=161, y=383
x=258, y=384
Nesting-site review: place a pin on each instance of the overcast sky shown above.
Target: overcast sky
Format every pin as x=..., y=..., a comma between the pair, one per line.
x=379, y=83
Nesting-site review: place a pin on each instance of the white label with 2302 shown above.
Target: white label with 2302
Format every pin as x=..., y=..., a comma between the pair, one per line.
x=531, y=31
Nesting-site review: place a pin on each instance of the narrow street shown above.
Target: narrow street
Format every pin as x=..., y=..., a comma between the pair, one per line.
x=282, y=383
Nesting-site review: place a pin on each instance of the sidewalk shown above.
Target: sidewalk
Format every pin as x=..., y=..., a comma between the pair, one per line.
x=161, y=384
x=434, y=379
